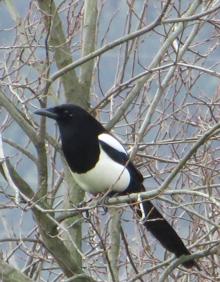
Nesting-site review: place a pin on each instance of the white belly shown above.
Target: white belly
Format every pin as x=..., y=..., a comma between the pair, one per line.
x=106, y=175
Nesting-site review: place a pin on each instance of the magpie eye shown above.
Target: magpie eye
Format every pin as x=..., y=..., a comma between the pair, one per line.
x=67, y=113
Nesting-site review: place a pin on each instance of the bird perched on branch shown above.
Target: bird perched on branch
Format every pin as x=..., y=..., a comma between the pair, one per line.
x=99, y=163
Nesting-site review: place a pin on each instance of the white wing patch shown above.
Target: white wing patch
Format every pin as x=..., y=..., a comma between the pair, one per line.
x=106, y=175
x=111, y=141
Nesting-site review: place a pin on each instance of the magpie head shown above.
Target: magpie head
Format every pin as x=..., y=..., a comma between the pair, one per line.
x=71, y=118
x=63, y=113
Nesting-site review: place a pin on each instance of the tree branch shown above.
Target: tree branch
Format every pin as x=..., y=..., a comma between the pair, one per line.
x=210, y=251
x=11, y=274
x=114, y=233
x=164, y=84
x=186, y=18
x=107, y=47
x=156, y=60
x=18, y=117
x=47, y=226
x=88, y=46
x=151, y=194
x=62, y=52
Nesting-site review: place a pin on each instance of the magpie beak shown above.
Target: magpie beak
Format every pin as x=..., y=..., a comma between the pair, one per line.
x=47, y=112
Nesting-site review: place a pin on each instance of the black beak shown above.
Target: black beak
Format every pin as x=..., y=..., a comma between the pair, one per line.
x=47, y=112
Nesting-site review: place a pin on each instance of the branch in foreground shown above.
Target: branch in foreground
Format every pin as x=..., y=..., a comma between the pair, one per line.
x=172, y=264
x=18, y=117
x=88, y=46
x=210, y=251
x=152, y=194
x=109, y=46
x=62, y=52
x=11, y=274
x=102, y=50
x=48, y=229
x=179, y=27
x=160, y=91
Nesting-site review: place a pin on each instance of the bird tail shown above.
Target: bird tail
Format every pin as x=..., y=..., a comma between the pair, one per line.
x=163, y=231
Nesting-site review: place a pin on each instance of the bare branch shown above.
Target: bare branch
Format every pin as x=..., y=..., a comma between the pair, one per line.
x=156, y=61
x=173, y=265
x=18, y=117
x=88, y=45
x=11, y=274
x=109, y=46
x=63, y=57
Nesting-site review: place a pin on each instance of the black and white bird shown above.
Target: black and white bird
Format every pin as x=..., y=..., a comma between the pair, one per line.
x=99, y=163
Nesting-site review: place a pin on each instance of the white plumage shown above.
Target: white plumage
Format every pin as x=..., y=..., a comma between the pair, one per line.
x=112, y=142
x=107, y=174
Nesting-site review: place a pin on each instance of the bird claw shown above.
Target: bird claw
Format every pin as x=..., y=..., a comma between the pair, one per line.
x=94, y=202
x=83, y=204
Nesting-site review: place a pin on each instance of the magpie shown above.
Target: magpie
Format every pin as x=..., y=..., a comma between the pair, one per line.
x=99, y=164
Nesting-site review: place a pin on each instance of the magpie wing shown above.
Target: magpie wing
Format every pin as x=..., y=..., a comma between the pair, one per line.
x=114, y=149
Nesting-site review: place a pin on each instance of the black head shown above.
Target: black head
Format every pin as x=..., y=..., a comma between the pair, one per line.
x=63, y=113
x=71, y=116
